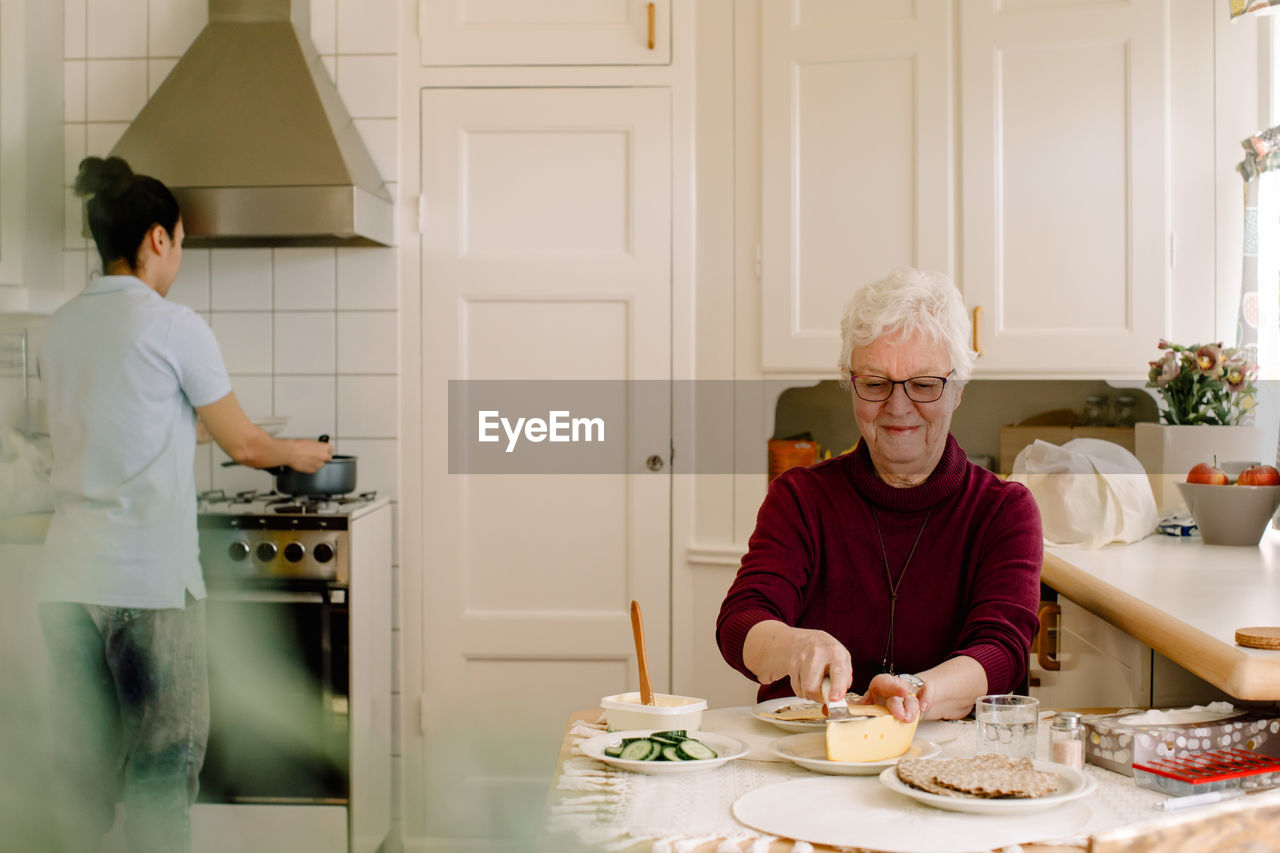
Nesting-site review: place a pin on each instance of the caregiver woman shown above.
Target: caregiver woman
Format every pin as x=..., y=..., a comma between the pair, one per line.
x=899, y=569
x=125, y=373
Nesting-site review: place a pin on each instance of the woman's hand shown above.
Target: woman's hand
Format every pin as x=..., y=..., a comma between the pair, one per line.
x=773, y=650
x=897, y=696
x=309, y=456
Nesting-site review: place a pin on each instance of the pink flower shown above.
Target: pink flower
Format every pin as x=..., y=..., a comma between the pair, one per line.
x=1209, y=360
x=1168, y=369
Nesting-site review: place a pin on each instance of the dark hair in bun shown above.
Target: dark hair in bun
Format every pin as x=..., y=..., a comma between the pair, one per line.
x=123, y=207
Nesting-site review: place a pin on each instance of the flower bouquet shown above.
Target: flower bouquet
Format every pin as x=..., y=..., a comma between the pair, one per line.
x=1204, y=384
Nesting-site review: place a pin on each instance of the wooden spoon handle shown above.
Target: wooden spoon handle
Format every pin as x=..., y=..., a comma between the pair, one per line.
x=637, y=629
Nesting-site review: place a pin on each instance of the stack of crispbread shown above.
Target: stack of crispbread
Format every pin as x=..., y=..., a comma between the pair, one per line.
x=982, y=776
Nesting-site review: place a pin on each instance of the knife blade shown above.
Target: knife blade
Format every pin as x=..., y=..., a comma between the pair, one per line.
x=837, y=709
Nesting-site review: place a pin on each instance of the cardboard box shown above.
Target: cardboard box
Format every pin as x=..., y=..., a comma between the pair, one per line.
x=1112, y=743
x=1014, y=438
x=787, y=453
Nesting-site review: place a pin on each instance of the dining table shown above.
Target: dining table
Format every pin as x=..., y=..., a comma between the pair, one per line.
x=592, y=806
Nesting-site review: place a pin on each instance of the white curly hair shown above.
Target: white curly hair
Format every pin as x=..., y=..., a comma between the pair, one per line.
x=917, y=304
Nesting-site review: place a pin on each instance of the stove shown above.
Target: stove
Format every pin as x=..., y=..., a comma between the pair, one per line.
x=246, y=536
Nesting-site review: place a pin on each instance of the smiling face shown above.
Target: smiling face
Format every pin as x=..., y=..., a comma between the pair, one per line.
x=905, y=438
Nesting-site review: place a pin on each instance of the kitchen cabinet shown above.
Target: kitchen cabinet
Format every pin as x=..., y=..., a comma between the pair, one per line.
x=13, y=149
x=544, y=32
x=1054, y=204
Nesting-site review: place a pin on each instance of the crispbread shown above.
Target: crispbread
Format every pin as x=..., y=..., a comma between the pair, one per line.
x=983, y=776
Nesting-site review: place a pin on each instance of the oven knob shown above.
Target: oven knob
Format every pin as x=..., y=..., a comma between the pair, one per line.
x=239, y=551
x=293, y=552
x=266, y=551
x=322, y=552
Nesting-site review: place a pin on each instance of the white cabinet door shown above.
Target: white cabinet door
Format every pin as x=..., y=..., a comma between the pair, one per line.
x=546, y=255
x=1101, y=666
x=1065, y=176
x=545, y=32
x=856, y=152
x=13, y=131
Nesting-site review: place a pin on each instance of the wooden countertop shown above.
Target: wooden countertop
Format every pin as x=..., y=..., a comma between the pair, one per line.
x=1185, y=600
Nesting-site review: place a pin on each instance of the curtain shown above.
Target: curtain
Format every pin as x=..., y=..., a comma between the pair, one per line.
x=1260, y=270
x=1244, y=7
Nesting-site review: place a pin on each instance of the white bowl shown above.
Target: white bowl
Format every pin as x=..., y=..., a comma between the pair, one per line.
x=1230, y=514
x=624, y=711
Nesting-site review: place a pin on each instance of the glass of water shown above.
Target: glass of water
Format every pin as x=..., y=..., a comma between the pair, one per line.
x=1007, y=724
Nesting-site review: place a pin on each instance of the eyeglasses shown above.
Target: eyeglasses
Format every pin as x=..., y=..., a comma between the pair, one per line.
x=919, y=389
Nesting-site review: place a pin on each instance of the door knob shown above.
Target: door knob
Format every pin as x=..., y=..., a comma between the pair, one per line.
x=653, y=463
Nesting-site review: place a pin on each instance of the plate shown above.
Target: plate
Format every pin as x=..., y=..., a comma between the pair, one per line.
x=1072, y=785
x=770, y=705
x=271, y=426
x=726, y=748
x=810, y=752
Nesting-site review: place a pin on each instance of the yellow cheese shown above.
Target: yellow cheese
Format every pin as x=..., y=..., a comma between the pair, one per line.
x=874, y=737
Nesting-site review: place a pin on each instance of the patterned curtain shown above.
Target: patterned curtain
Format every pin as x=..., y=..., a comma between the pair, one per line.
x=1261, y=252
x=1244, y=7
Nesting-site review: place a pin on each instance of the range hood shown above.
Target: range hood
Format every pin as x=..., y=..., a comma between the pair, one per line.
x=250, y=134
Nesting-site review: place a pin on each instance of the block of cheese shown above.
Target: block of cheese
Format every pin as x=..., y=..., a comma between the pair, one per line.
x=874, y=736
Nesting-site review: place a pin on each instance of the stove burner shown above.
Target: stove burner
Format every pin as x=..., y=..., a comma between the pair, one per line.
x=275, y=502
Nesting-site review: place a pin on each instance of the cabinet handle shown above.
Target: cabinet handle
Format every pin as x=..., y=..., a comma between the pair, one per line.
x=651, y=26
x=1047, y=663
x=977, y=329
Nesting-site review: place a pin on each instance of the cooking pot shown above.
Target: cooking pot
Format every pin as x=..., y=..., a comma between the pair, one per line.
x=335, y=477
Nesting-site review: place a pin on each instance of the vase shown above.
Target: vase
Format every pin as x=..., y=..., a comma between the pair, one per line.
x=1169, y=451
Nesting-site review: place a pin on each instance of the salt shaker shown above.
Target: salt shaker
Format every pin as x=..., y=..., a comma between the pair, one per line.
x=1066, y=740
x=1094, y=411
x=1125, y=410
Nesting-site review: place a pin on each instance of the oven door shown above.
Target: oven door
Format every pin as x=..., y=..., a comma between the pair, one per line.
x=278, y=693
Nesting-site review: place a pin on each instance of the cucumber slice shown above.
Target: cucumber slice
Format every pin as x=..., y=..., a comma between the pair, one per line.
x=671, y=753
x=674, y=734
x=613, y=751
x=641, y=749
x=695, y=749
x=664, y=740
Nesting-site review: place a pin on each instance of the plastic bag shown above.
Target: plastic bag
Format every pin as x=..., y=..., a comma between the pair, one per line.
x=25, y=467
x=1090, y=492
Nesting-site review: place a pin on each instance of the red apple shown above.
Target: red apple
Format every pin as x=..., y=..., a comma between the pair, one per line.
x=1259, y=475
x=1203, y=472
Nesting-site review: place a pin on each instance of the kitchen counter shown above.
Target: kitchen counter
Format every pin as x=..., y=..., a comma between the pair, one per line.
x=1185, y=600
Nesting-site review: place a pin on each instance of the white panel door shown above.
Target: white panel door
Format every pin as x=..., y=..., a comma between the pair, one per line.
x=856, y=148
x=545, y=32
x=1065, y=175
x=546, y=256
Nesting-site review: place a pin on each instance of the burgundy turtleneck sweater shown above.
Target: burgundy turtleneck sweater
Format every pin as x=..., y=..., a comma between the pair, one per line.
x=971, y=588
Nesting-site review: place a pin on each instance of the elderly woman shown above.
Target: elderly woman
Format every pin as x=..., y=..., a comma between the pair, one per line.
x=899, y=570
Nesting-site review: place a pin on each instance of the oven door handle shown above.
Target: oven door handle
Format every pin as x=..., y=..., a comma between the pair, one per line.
x=272, y=596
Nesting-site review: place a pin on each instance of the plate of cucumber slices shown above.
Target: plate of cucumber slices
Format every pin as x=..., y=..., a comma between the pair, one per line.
x=663, y=752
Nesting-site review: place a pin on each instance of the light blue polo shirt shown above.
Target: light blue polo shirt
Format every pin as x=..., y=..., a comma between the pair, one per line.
x=122, y=369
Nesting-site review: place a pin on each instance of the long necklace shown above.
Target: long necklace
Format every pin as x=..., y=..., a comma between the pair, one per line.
x=886, y=663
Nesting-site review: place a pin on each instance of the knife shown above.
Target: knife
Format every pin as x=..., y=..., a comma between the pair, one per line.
x=837, y=709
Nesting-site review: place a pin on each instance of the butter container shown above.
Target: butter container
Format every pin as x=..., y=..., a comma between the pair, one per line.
x=624, y=711
x=1118, y=741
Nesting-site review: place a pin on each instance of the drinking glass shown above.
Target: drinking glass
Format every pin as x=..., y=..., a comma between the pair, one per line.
x=1007, y=724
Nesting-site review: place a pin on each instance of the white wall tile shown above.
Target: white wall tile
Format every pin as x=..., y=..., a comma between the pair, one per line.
x=75, y=270
x=323, y=20
x=376, y=464
x=309, y=402
x=368, y=342
x=304, y=279
x=367, y=278
x=174, y=24
x=379, y=137
x=74, y=35
x=368, y=26
x=254, y=394
x=191, y=287
x=331, y=65
x=73, y=89
x=73, y=148
x=237, y=478
x=117, y=28
x=367, y=85
x=103, y=136
x=245, y=340
x=157, y=71
x=241, y=279
x=73, y=223
x=117, y=89
x=305, y=342
x=367, y=406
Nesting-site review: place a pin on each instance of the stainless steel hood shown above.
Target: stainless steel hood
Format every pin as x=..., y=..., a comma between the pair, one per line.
x=250, y=134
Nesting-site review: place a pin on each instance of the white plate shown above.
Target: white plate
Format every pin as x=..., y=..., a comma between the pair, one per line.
x=271, y=426
x=1072, y=785
x=770, y=705
x=810, y=752
x=726, y=748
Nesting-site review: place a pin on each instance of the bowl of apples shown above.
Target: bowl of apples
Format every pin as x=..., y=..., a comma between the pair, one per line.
x=1227, y=511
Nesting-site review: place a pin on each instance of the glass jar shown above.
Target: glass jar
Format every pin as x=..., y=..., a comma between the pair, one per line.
x=1095, y=411
x=1066, y=740
x=1125, y=410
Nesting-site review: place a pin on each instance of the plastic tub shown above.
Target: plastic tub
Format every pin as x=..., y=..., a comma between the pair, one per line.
x=624, y=711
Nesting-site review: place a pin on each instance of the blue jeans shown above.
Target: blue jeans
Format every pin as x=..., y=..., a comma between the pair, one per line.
x=130, y=720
